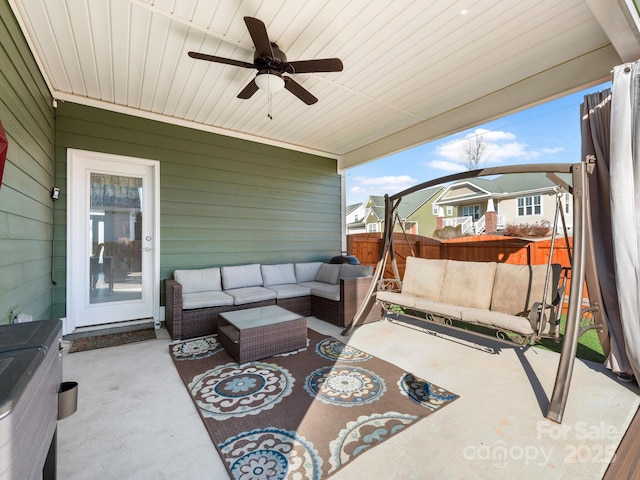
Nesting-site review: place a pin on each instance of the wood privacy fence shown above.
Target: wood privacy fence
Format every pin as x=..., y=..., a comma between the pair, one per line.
x=482, y=248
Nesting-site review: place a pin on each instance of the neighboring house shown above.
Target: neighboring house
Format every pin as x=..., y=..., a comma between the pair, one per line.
x=526, y=198
x=416, y=211
x=355, y=218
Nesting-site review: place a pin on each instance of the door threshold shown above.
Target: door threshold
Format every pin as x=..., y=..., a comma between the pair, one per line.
x=109, y=328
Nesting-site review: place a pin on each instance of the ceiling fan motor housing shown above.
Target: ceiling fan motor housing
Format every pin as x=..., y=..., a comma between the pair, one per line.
x=275, y=64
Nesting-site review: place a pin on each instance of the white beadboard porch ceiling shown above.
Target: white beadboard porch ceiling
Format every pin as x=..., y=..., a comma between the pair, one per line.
x=413, y=71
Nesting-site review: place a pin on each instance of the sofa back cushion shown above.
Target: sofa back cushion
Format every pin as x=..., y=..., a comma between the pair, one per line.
x=517, y=287
x=354, y=271
x=281, y=274
x=468, y=284
x=306, y=272
x=328, y=273
x=423, y=277
x=201, y=280
x=241, y=276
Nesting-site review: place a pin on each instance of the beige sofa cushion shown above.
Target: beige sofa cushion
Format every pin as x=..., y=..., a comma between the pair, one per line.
x=468, y=284
x=205, y=299
x=242, y=296
x=517, y=287
x=328, y=273
x=241, y=276
x=290, y=290
x=200, y=280
x=306, y=272
x=280, y=274
x=423, y=277
x=354, y=271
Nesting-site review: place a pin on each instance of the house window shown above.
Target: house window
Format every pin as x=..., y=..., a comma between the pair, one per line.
x=529, y=205
x=567, y=202
x=471, y=211
x=434, y=210
x=372, y=227
x=449, y=211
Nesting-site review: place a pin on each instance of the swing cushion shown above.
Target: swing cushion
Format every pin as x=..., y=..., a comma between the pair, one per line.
x=517, y=287
x=468, y=284
x=423, y=277
x=496, y=319
x=496, y=295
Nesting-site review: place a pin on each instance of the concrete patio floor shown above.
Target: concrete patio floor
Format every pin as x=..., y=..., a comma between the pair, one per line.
x=135, y=419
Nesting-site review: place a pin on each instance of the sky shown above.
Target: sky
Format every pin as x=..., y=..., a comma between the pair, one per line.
x=547, y=133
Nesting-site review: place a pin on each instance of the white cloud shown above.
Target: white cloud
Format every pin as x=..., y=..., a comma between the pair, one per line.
x=447, y=166
x=364, y=187
x=497, y=152
x=501, y=147
x=551, y=151
x=491, y=135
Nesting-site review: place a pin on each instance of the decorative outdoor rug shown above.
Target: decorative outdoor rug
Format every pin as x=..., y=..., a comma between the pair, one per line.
x=300, y=415
x=111, y=340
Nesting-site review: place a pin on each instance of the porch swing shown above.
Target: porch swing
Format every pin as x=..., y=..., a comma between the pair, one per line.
x=544, y=302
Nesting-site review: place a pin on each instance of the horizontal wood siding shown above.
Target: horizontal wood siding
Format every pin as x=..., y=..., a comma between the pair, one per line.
x=25, y=204
x=223, y=201
x=509, y=209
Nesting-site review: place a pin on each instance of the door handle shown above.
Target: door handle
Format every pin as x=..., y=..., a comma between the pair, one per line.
x=147, y=249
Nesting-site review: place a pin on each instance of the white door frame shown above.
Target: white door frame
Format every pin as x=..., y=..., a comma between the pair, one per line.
x=74, y=160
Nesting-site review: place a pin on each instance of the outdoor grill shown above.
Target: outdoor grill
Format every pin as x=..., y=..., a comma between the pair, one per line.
x=344, y=258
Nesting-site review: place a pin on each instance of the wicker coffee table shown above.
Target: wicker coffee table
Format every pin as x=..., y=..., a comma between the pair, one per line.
x=261, y=332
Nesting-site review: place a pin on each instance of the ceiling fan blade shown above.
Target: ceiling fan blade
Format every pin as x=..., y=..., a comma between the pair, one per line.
x=227, y=61
x=319, y=65
x=249, y=90
x=258, y=32
x=299, y=91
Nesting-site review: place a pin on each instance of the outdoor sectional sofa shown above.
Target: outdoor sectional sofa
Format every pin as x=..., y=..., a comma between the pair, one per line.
x=330, y=292
x=500, y=296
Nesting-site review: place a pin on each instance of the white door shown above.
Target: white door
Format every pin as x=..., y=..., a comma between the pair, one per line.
x=112, y=239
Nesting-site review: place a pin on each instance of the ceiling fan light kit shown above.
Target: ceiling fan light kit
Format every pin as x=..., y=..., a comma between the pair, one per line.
x=271, y=63
x=269, y=82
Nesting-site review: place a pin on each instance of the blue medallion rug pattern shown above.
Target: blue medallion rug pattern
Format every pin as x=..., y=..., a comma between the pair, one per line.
x=303, y=415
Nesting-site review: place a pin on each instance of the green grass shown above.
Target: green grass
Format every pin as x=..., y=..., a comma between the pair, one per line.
x=589, y=347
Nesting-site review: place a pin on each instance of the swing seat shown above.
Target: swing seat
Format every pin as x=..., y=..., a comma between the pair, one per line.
x=508, y=298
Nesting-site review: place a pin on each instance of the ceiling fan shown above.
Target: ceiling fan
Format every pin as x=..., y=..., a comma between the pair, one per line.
x=271, y=63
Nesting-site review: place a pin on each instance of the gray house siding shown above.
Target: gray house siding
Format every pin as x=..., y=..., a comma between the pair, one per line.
x=25, y=204
x=223, y=201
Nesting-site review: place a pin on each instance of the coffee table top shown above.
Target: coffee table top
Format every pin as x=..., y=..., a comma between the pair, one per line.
x=258, y=317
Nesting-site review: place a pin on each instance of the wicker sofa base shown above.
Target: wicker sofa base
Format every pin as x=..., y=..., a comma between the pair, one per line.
x=196, y=322
x=204, y=321
x=341, y=313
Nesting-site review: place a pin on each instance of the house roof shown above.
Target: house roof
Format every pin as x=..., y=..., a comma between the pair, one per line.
x=408, y=205
x=503, y=186
x=413, y=71
x=352, y=207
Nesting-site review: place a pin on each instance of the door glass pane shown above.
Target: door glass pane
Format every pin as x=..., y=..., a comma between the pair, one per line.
x=115, y=234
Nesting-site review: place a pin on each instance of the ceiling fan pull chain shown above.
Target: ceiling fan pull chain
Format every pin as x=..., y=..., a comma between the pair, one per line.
x=269, y=105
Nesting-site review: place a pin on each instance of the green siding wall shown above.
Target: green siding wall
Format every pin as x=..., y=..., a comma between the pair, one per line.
x=25, y=203
x=427, y=221
x=223, y=201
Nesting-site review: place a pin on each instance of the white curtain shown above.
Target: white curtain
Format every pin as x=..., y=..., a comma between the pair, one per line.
x=624, y=172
